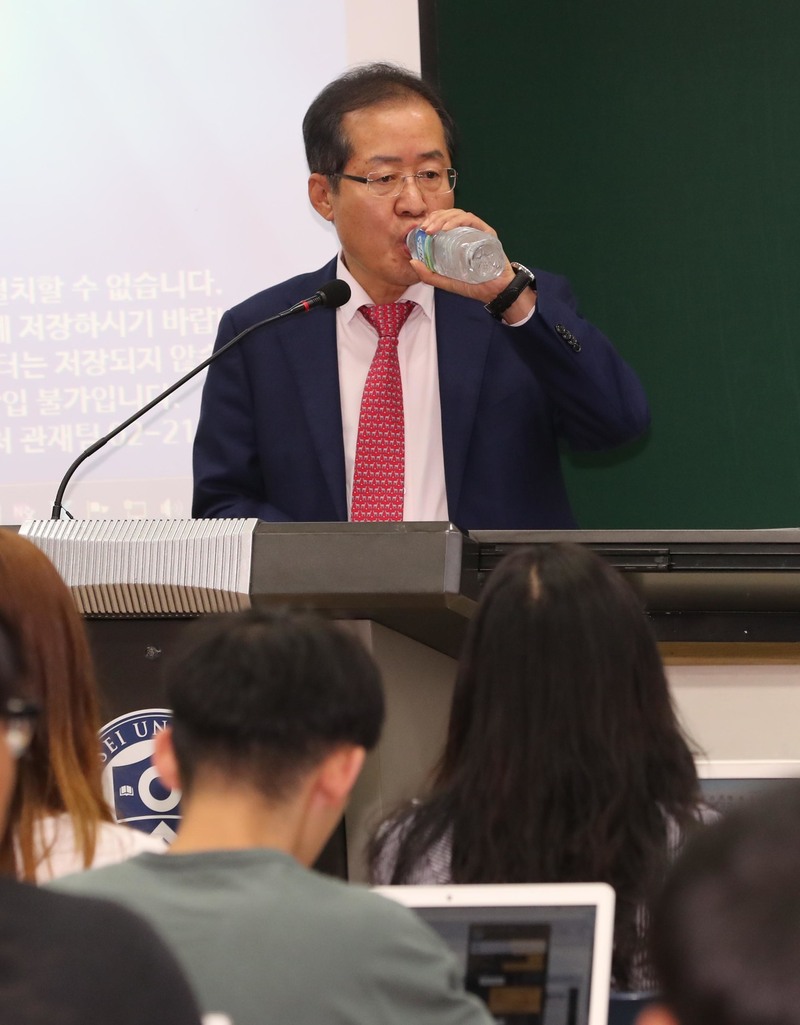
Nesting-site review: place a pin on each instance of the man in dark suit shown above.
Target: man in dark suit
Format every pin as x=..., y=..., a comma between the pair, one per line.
x=494, y=376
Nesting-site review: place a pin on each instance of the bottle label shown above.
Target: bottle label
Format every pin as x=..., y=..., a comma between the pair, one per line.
x=420, y=245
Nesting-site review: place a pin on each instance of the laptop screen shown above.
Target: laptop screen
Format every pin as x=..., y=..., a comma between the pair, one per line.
x=535, y=954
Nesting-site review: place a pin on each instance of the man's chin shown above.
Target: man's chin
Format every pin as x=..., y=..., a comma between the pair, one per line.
x=393, y=278
x=406, y=275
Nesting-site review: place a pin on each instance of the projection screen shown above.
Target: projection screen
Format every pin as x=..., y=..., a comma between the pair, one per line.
x=154, y=177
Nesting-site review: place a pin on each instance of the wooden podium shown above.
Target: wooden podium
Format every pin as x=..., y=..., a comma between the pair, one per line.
x=725, y=606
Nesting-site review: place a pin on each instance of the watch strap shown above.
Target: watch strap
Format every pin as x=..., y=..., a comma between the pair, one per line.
x=523, y=279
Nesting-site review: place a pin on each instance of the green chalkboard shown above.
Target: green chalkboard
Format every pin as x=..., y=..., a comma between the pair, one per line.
x=651, y=152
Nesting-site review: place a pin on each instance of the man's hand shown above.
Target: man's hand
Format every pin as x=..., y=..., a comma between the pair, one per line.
x=445, y=220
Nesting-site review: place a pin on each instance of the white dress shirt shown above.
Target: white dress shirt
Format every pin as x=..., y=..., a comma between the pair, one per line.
x=356, y=343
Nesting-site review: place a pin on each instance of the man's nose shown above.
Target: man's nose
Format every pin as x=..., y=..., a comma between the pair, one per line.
x=411, y=198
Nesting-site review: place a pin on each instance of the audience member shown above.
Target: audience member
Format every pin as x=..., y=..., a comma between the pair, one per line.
x=273, y=713
x=564, y=760
x=59, y=821
x=66, y=959
x=726, y=928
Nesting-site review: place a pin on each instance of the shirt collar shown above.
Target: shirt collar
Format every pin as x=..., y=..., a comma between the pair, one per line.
x=419, y=293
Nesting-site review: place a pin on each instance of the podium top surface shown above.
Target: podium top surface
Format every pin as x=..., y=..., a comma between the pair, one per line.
x=403, y=564
x=424, y=579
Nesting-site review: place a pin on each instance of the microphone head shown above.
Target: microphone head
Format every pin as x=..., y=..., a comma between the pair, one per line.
x=334, y=293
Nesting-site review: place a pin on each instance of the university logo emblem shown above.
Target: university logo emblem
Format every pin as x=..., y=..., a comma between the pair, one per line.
x=131, y=784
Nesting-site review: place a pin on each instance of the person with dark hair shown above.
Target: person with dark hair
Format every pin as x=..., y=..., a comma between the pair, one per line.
x=726, y=926
x=273, y=713
x=59, y=821
x=422, y=397
x=69, y=959
x=564, y=760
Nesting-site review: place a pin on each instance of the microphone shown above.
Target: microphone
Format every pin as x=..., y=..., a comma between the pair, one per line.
x=331, y=295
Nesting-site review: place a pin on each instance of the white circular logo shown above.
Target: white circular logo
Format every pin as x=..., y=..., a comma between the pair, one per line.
x=131, y=784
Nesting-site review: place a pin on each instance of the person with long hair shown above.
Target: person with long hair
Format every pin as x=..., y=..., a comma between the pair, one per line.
x=59, y=821
x=564, y=759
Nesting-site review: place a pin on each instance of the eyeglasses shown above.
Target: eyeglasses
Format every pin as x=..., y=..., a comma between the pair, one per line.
x=19, y=718
x=432, y=181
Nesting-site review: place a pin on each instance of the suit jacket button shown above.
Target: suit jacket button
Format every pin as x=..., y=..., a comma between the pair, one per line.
x=568, y=337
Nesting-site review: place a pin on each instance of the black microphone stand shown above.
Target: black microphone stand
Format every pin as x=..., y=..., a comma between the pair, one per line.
x=319, y=299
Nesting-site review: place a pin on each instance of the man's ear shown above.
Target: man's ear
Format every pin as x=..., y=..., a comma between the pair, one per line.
x=656, y=1014
x=339, y=772
x=164, y=759
x=319, y=192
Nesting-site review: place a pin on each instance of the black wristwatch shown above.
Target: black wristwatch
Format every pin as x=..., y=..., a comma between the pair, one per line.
x=523, y=279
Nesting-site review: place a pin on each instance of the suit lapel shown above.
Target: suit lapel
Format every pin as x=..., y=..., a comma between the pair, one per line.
x=309, y=342
x=463, y=333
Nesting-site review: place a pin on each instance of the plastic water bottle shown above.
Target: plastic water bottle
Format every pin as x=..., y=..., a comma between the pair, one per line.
x=466, y=254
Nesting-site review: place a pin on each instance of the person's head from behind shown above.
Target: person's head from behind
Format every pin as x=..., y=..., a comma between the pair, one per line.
x=265, y=701
x=382, y=123
x=726, y=928
x=61, y=772
x=561, y=672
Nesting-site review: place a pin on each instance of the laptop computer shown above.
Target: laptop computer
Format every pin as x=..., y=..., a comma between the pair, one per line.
x=536, y=953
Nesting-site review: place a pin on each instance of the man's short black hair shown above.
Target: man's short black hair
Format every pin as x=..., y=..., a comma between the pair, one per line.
x=726, y=928
x=265, y=694
x=327, y=147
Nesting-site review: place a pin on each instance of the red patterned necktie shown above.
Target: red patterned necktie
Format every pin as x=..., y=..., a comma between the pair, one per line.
x=379, y=473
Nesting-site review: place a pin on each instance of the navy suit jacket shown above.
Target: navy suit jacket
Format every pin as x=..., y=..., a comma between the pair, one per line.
x=269, y=439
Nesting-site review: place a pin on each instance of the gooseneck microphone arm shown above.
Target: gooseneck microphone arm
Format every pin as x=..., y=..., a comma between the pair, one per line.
x=333, y=294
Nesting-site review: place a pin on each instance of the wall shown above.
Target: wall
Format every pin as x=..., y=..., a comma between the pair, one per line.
x=652, y=154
